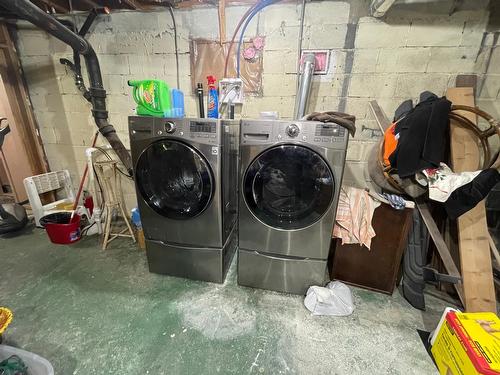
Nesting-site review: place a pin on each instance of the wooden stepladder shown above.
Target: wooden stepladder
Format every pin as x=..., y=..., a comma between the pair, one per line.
x=107, y=173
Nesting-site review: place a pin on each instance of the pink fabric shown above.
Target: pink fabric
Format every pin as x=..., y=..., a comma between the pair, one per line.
x=249, y=53
x=258, y=42
x=353, y=223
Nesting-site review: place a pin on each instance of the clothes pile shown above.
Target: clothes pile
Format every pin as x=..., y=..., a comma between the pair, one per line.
x=460, y=192
x=353, y=223
x=416, y=146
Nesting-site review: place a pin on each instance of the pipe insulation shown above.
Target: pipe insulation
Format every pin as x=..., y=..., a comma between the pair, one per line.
x=30, y=12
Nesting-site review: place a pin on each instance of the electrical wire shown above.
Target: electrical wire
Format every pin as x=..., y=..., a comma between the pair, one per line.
x=257, y=9
x=231, y=43
x=86, y=229
x=103, y=151
x=100, y=188
x=299, y=46
x=171, y=10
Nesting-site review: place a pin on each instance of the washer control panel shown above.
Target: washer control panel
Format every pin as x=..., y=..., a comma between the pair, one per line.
x=292, y=130
x=169, y=127
x=206, y=131
x=203, y=129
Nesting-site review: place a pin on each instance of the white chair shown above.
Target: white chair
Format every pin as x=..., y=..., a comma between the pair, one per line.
x=59, y=181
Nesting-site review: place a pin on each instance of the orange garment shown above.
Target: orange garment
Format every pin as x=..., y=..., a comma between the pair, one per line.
x=390, y=143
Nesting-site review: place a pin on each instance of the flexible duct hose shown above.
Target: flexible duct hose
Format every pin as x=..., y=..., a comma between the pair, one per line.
x=33, y=14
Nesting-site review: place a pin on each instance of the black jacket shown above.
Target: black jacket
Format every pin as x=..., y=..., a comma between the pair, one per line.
x=423, y=137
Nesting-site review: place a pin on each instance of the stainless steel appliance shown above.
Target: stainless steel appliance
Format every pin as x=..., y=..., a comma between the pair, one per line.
x=291, y=174
x=186, y=181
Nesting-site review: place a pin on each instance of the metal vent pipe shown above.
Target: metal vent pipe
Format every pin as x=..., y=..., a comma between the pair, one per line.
x=304, y=90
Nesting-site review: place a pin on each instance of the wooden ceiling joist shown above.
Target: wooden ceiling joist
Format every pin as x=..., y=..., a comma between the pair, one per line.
x=89, y=3
x=57, y=5
x=132, y=4
x=64, y=6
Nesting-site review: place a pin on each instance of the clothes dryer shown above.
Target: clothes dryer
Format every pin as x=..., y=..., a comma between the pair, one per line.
x=291, y=174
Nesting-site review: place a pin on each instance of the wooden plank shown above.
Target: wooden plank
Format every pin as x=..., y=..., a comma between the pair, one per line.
x=84, y=5
x=494, y=250
x=42, y=5
x=59, y=8
x=195, y=3
x=23, y=149
x=18, y=97
x=477, y=274
x=380, y=116
x=132, y=4
x=222, y=21
x=441, y=247
x=380, y=7
x=466, y=80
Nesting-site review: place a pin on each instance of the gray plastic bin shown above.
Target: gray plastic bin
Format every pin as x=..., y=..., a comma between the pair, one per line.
x=36, y=364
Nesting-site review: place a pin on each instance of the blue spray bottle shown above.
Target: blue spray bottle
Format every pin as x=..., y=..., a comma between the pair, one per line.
x=213, y=99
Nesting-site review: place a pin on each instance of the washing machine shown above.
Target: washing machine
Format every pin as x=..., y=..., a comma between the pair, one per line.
x=291, y=174
x=185, y=173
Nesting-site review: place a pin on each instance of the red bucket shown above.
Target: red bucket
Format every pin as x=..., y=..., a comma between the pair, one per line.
x=60, y=229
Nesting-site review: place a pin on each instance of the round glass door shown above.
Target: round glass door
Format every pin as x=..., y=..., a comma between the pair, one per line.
x=174, y=179
x=288, y=187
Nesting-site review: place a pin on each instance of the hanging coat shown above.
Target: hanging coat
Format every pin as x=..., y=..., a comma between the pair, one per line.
x=423, y=137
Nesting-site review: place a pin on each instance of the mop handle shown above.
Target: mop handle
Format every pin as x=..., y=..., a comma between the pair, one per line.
x=82, y=181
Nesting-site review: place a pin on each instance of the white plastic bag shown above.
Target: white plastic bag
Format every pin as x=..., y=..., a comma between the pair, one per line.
x=335, y=299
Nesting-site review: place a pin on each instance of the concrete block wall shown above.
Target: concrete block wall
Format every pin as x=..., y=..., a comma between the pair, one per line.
x=412, y=49
x=409, y=51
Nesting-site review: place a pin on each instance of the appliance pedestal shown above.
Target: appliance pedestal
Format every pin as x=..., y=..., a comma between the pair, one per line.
x=282, y=274
x=197, y=263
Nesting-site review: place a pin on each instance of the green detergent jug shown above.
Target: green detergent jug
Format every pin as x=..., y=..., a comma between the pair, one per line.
x=152, y=97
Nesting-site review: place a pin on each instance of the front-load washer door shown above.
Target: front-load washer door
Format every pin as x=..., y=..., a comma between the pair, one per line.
x=177, y=194
x=288, y=190
x=174, y=179
x=288, y=187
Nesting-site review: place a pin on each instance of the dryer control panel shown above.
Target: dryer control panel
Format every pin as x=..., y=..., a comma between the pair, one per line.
x=312, y=132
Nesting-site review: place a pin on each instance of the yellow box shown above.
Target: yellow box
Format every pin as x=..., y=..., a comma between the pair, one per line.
x=468, y=344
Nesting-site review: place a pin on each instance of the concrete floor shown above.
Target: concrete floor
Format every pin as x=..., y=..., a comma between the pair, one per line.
x=94, y=312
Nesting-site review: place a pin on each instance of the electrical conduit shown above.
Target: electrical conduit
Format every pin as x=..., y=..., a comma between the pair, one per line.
x=256, y=10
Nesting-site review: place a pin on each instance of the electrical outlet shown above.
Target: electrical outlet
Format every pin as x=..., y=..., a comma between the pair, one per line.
x=231, y=90
x=322, y=57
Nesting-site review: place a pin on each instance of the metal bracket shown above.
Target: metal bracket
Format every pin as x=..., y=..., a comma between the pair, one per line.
x=433, y=276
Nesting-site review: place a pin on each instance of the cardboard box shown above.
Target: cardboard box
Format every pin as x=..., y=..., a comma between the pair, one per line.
x=468, y=344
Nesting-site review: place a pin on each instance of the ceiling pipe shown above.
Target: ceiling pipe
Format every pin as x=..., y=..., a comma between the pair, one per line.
x=30, y=12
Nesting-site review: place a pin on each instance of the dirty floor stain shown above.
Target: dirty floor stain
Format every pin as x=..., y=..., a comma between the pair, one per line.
x=101, y=312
